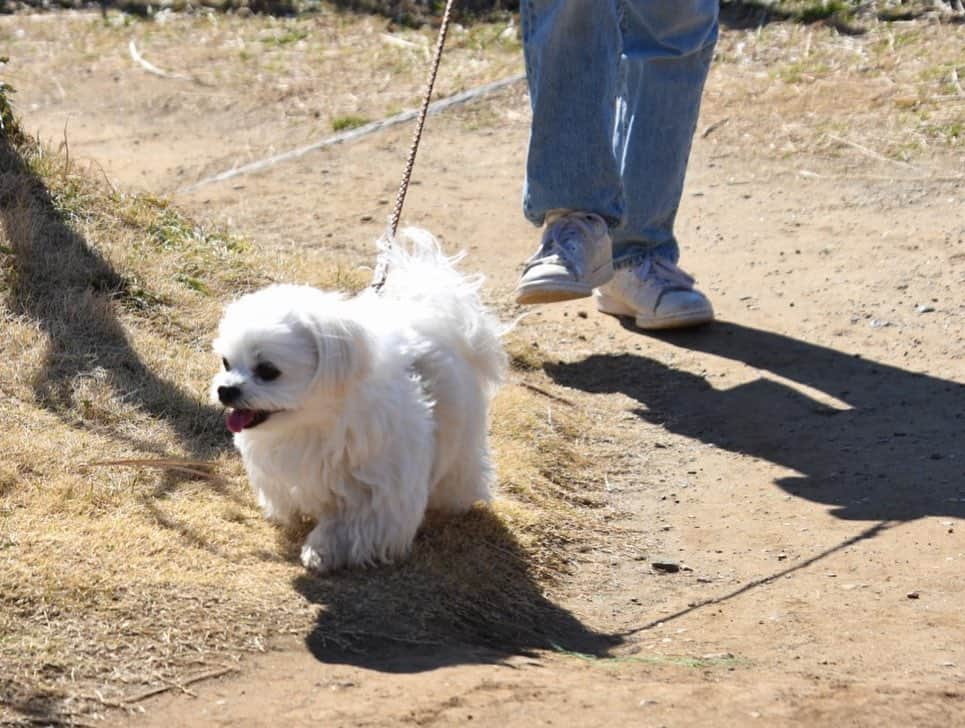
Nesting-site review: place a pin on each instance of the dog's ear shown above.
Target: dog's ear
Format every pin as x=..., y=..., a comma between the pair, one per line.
x=344, y=350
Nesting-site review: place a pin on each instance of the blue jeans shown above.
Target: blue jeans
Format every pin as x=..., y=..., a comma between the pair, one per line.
x=615, y=88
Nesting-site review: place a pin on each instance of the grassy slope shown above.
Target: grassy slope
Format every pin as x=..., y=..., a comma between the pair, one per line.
x=118, y=578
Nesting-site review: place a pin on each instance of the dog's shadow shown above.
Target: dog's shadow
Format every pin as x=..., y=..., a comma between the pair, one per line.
x=466, y=595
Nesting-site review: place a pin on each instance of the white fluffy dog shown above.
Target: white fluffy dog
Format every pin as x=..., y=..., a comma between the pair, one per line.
x=363, y=412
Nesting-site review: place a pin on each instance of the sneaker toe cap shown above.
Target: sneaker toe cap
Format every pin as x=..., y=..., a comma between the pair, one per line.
x=547, y=271
x=678, y=308
x=674, y=303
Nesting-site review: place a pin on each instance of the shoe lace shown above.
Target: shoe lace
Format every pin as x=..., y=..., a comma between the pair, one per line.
x=664, y=272
x=563, y=241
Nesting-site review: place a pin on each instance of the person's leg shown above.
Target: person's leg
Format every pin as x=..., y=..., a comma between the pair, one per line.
x=572, y=52
x=667, y=49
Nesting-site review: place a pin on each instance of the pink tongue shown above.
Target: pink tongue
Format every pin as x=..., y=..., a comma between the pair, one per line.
x=239, y=419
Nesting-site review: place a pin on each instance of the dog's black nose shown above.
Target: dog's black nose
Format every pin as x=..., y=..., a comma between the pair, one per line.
x=228, y=395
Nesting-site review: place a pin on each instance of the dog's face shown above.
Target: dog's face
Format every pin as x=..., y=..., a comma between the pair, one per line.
x=281, y=349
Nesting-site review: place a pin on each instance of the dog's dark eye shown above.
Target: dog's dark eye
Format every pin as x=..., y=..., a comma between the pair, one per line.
x=227, y=366
x=266, y=372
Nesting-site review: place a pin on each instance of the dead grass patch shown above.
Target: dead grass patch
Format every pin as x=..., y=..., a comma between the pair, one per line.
x=132, y=558
x=800, y=90
x=312, y=73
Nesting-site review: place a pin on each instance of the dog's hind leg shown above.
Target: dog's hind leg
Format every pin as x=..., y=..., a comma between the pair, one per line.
x=467, y=482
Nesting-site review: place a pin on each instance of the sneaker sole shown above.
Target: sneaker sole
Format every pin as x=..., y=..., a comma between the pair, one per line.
x=612, y=307
x=683, y=321
x=553, y=290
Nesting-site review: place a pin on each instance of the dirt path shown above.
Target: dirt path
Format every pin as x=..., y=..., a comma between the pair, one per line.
x=800, y=461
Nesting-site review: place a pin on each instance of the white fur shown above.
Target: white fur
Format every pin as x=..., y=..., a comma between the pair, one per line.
x=381, y=407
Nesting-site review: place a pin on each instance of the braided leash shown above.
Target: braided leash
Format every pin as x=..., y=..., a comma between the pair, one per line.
x=382, y=265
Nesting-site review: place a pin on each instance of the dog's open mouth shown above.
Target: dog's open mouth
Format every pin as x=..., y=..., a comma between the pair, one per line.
x=243, y=419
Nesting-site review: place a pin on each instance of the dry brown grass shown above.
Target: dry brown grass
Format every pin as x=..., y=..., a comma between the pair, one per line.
x=808, y=92
x=123, y=578
x=310, y=74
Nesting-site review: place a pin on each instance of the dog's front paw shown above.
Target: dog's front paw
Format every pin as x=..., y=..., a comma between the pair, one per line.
x=320, y=552
x=316, y=560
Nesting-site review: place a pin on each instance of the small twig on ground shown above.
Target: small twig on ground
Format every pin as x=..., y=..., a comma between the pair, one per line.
x=197, y=468
x=151, y=68
x=394, y=40
x=953, y=77
x=98, y=698
x=182, y=686
x=866, y=151
x=714, y=127
x=107, y=180
x=66, y=147
x=550, y=395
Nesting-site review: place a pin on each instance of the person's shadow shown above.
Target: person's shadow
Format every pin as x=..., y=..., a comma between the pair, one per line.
x=897, y=454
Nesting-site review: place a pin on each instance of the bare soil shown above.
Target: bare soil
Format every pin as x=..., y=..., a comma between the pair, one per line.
x=786, y=487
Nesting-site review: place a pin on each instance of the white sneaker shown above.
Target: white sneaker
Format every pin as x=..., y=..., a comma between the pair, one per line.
x=657, y=294
x=574, y=257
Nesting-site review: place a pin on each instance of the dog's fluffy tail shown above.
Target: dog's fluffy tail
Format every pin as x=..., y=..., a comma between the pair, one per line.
x=419, y=272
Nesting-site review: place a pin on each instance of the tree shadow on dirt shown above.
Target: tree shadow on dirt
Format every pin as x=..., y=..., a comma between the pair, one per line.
x=748, y=14
x=895, y=455
x=745, y=14
x=58, y=280
x=466, y=595
x=41, y=707
x=148, y=9
x=420, y=12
